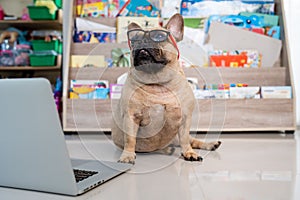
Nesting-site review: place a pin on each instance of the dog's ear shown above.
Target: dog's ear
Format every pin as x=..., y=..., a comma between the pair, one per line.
x=133, y=25
x=176, y=26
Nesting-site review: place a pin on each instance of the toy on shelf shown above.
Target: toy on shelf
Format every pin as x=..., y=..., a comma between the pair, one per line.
x=139, y=8
x=2, y=13
x=25, y=15
x=250, y=22
x=254, y=23
x=121, y=57
x=98, y=8
x=58, y=93
x=237, y=58
x=11, y=36
x=204, y=8
x=87, y=8
x=14, y=51
x=94, y=37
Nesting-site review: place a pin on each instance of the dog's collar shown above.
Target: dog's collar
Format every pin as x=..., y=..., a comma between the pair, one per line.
x=172, y=40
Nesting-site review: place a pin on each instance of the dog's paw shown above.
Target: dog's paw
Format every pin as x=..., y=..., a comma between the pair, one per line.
x=212, y=146
x=127, y=157
x=191, y=156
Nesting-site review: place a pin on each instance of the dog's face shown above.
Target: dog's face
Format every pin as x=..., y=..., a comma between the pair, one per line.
x=153, y=49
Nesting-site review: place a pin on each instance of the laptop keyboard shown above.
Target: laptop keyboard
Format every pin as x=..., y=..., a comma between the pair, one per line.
x=83, y=174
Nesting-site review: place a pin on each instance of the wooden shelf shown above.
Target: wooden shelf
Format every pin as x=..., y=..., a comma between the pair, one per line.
x=276, y=76
x=96, y=48
x=34, y=68
x=29, y=68
x=209, y=115
x=34, y=24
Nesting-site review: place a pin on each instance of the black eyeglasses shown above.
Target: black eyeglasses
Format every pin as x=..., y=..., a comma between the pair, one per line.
x=154, y=35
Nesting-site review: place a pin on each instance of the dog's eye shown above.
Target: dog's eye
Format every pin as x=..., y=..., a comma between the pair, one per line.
x=158, y=36
x=135, y=35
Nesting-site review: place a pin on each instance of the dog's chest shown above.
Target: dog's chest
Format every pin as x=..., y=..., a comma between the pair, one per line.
x=154, y=103
x=152, y=94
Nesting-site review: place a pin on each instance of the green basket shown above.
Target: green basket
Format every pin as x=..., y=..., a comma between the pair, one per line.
x=40, y=13
x=43, y=58
x=42, y=45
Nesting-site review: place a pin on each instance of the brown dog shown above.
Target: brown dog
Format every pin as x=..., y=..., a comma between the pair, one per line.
x=157, y=102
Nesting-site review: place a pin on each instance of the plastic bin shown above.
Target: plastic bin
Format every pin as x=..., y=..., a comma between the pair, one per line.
x=40, y=13
x=43, y=58
x=42, y=45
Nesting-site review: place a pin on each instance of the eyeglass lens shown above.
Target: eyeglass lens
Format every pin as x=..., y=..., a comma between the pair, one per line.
x=155, y=35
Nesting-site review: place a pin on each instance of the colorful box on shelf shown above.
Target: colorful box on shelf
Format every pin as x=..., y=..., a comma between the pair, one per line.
x=204, y=8
x=244, y=92
x=93, y=9
x=89, y=89
x=226, y=91
x=240, y=21
x=139, y=8
x=254, y=23
x=40, y=13
x=228, y=60
x=94, y=37
x=269, y=20
x=43, y=58
x=236, y=38
x=276, y=92
x=237, y=58
x=204, y=94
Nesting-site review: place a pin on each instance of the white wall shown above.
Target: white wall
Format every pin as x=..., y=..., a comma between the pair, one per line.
x=292, y=8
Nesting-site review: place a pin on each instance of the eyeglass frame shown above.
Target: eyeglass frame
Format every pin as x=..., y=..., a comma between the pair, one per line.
x=168, y=35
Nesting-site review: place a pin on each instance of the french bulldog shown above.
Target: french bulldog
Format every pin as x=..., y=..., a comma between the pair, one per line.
x=157, y=101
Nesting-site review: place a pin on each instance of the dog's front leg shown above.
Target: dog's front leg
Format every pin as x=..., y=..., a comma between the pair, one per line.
x=130, y=132
x=184, y=139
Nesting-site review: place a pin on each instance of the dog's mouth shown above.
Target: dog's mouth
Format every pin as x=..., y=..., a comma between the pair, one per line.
x=149, y=60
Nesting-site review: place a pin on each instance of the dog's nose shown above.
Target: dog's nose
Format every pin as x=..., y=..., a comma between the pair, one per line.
x=143, y=52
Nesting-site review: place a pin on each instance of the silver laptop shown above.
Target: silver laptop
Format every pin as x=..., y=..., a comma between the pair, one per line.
x=33, y=151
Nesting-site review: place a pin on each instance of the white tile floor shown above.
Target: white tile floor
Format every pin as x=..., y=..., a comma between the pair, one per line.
x=246, y=166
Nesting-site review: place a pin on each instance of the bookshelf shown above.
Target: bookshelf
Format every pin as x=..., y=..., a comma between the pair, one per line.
x=209, y=114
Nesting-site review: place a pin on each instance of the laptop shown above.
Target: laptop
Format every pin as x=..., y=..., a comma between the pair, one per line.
x=33, y=151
